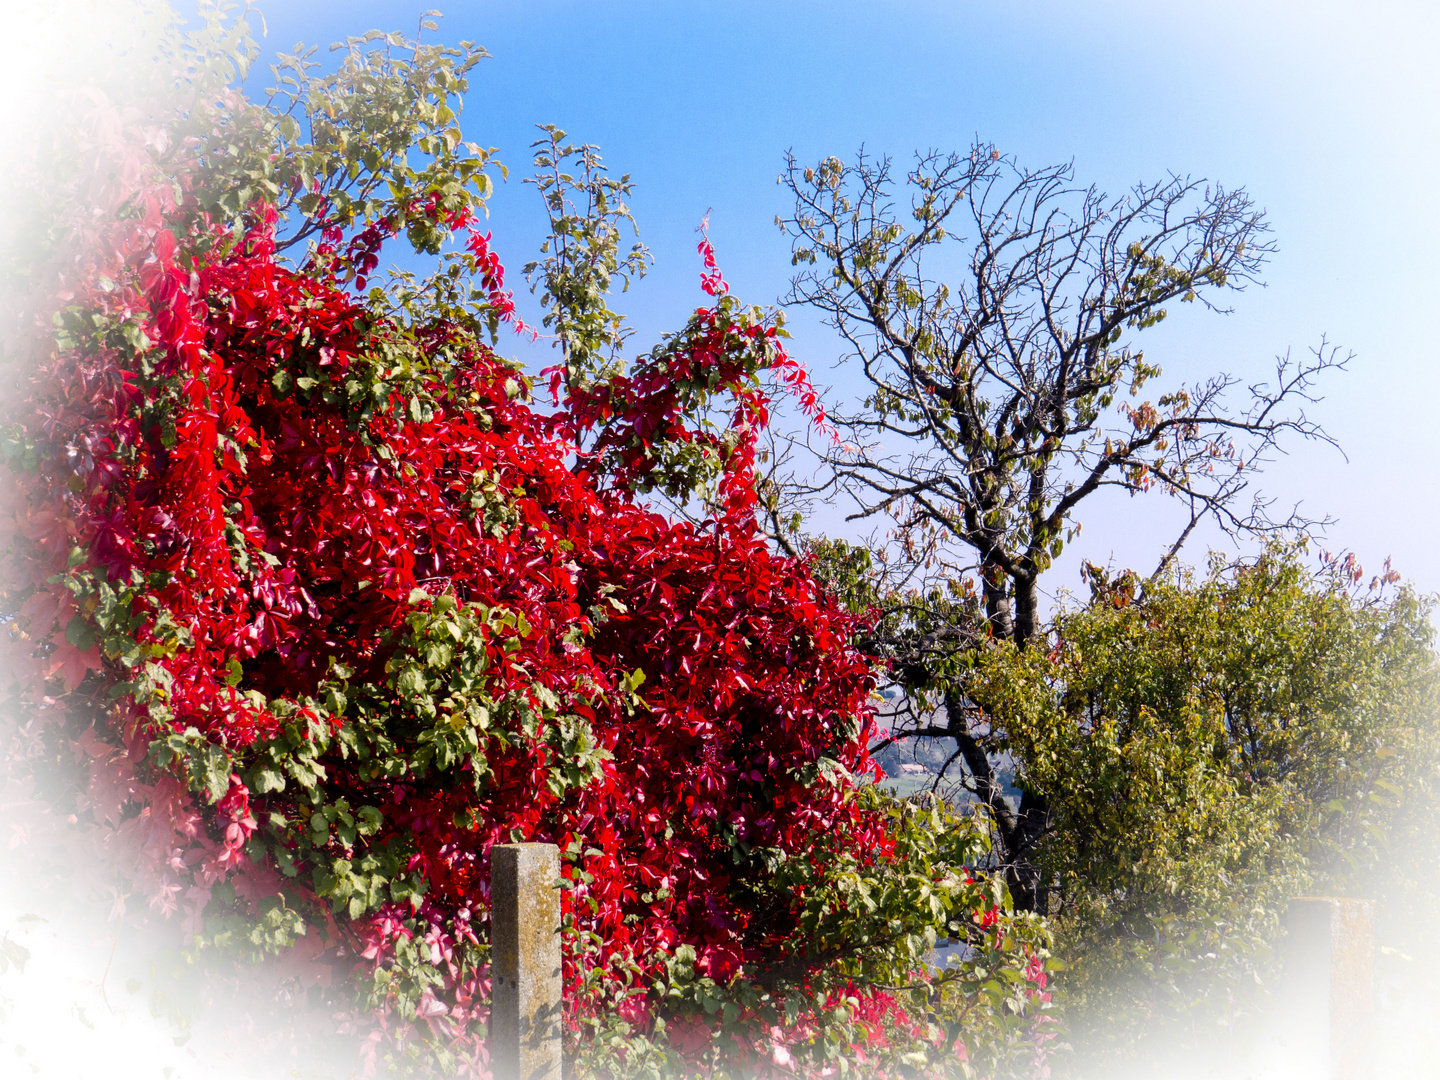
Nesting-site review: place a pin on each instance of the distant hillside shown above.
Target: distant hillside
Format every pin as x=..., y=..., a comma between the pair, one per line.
x=912, y=766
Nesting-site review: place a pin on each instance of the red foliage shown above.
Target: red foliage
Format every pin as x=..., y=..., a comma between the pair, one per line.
x=252, y=494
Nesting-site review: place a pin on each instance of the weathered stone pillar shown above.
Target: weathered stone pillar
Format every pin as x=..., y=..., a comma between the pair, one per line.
x=1330, y=978
x=525, y=1011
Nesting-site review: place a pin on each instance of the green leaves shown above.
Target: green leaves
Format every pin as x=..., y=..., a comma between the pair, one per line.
x=874, y=923
x=374, y=141
x=206, y=765
x=112, y=614
x=79, y=632
x=582, y=256
x=1210, y=749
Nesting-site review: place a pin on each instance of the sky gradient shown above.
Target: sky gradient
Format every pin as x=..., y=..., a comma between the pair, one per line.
x=1328, y=113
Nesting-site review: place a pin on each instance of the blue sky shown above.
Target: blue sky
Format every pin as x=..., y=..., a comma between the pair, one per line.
x=1327, y=112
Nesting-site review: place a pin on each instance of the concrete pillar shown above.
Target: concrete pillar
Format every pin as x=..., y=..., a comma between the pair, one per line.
x=1330, y=979
x=525, y=1010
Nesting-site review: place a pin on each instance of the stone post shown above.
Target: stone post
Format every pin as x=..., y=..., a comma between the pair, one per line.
x=1330, y=977
x=525, y=1010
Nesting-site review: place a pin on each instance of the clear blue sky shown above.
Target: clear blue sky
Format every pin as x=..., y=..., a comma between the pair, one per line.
x=1327, y=112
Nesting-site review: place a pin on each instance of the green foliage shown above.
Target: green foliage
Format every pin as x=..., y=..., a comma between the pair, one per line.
x=1209, y=750
x=875, y=922
x=582, y=257
x=927, y=631
x=376, y=140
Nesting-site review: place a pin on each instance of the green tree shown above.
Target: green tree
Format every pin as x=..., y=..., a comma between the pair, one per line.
x=1210, y=749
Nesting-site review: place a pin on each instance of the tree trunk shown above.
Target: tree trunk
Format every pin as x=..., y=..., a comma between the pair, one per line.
x=1017, y=833
x=997, y=600
x=987, y=785
x=1027, y=616
x=1027, y=888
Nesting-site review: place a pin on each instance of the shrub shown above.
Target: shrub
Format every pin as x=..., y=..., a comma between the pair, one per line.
x=1213, y=748
x=324, y=607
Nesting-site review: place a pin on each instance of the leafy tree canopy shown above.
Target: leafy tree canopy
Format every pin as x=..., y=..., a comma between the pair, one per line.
x=1213, y=748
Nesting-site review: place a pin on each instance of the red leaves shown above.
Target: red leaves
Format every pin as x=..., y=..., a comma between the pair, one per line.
x=234, y=812
x=492, y=276
x=710, y=279
x=257, y=492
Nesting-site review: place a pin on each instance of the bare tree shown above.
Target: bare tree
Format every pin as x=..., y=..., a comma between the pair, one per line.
x=996, y=401
x=993, y=322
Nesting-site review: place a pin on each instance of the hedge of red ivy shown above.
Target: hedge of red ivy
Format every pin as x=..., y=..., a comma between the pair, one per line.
x=325, y=606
